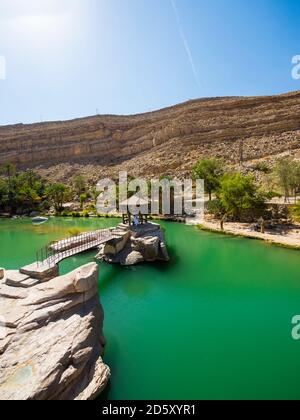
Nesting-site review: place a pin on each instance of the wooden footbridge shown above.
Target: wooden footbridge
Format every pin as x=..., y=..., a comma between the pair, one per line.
x=58, y=251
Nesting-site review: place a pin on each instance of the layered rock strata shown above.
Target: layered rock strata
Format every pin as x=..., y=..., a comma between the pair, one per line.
x=167, y=141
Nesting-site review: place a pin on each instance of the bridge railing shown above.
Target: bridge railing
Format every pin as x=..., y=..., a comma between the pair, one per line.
x=59, y=250
x=74, y=241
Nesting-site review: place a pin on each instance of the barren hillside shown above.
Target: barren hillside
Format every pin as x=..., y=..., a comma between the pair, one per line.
x=168, y=141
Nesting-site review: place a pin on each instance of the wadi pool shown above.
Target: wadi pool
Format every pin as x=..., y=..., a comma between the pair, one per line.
x=214, y=323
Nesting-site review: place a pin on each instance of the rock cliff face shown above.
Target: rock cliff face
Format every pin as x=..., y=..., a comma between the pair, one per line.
x=165, y=141
x=51, y=339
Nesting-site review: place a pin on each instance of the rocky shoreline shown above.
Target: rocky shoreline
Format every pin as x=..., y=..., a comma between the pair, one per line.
x=51, y=326
x=51, y=336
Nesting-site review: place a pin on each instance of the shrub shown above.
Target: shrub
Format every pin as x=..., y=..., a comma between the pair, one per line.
x=294, y=212
x=75, y=231
x=272, y=194
x=262, y=167
x=65, y=214
x=215, y=208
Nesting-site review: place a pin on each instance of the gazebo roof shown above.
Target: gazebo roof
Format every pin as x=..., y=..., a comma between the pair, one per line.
x=135, y=200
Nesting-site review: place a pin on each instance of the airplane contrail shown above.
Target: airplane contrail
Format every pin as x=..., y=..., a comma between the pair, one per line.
x=185, y=43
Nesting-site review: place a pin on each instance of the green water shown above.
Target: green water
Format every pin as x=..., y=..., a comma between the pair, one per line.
x=215, y=323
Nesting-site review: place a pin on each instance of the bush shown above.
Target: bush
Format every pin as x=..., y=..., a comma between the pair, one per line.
x=262, y=167
x=92, y=209
x=215, y=208
x=65, y=214
x=75, y=231
x=45, y=205
x=272, y=194
x=295, y=212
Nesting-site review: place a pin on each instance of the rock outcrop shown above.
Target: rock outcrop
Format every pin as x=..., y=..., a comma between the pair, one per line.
x=168, y=141
x=51, y=338
x=134, y=245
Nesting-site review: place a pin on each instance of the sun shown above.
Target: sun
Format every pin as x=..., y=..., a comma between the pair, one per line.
x=37, y=30
x=19, y=8
x=49, y=24
x=39, y=23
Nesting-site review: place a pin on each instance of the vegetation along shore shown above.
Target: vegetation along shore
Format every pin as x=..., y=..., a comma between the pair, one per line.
x=258, y=201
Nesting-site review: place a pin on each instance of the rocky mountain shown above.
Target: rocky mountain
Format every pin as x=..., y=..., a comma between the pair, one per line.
x=168, y=141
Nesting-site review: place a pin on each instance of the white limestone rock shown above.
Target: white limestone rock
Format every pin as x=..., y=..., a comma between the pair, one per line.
x=133, y=258
x=51, y=339
x=40, y=272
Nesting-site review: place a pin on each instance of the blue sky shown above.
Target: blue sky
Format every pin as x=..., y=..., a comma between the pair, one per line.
x=69, y=58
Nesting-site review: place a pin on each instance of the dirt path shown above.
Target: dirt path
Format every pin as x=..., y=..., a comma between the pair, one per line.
x=289, y=239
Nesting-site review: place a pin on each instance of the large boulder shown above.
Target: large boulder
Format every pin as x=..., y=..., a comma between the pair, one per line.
x=133, y=258
x=116, y=245
x=51, y=339
x=148, y=247
x=144, y=243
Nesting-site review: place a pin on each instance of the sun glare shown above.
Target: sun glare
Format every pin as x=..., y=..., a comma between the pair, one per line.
x=17, y=8
x=40, y=29
x=39, y=23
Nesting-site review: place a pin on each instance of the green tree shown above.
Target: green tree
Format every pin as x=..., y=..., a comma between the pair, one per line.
x=29, y=182
x=83, y=199
x=94, y=193
x=4, y=194
x=23, y=192
x=28, y=198
x=238, y=194
x=295, y=212
x=79, y=185
x=286, y=175
x=295, y=180
x=211, y=171
x=8, y=170
x=57, y=194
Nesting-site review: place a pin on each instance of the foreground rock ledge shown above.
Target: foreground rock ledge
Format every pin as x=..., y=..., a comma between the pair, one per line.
x=51, y=339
